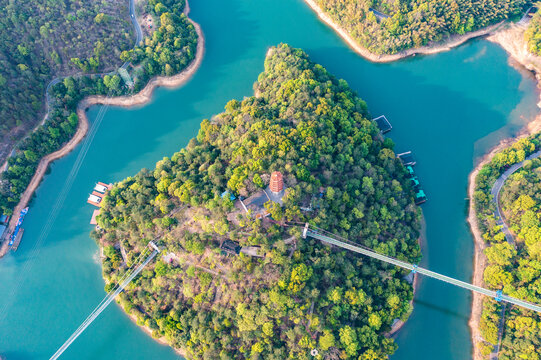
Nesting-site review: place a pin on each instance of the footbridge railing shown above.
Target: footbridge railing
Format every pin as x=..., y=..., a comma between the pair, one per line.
x=125, y=280
x=343, y=243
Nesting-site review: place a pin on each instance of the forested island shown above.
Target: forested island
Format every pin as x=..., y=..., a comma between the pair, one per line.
x=279, y=296
x=44, y=40
x=513, y=263
x=167, y=50
x=388, y=27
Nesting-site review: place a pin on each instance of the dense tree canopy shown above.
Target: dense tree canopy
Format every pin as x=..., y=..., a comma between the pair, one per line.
x=514, y=269
x=300, y=295
x=175, y=37
x=41, y=40
x=396, y=25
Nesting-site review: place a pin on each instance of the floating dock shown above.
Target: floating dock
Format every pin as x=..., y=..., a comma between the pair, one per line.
x=409, y=161
x=420, y=197
x=96, y=197
x=100, y=189
x=17, y=234
x=17, y=241
x=383, y=124
x=407, y=158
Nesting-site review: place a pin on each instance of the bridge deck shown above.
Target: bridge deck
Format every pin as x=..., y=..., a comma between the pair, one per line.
x=103, y=305
x=420, y=270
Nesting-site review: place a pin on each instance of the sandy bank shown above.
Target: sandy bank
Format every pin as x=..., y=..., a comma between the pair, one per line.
x=453, y=41
x=511, y=38
x=126, y=101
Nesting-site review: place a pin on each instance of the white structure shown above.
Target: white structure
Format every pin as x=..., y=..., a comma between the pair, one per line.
x=100, y=188
x=94, y=198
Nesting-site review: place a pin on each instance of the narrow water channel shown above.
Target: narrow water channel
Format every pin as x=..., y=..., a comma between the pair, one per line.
x=447, y=108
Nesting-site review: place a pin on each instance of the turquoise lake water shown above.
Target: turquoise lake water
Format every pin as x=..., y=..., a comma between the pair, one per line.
x=448, y=108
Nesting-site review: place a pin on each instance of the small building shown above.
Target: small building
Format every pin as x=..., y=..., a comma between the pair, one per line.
x=230, y=247
x=4, y=219
x=256, y=202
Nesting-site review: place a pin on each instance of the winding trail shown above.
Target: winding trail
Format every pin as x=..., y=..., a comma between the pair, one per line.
x=126, y=101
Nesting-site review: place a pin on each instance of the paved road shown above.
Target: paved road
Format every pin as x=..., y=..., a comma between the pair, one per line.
x=379, y=14
x=137, y=27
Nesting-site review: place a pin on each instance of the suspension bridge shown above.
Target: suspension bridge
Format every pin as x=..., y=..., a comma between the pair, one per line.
x=127, y=278
x=335, y=240
x=308, y=231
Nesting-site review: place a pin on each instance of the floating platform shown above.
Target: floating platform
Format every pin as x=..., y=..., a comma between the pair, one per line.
x=94, y=200
x=100, y=189
x=420, y=197
x=409, y=168
x=18, y=239
x=383, y=124
x=18, y=228
x=407, y=158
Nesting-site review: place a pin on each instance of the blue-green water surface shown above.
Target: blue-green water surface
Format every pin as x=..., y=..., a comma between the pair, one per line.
x=448, y=108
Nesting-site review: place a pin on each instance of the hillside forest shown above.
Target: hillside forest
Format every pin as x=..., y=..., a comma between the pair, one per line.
x=514, y=268
x=167, y=50
x=389, y=26
x=42, y=40
x=293, y=295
